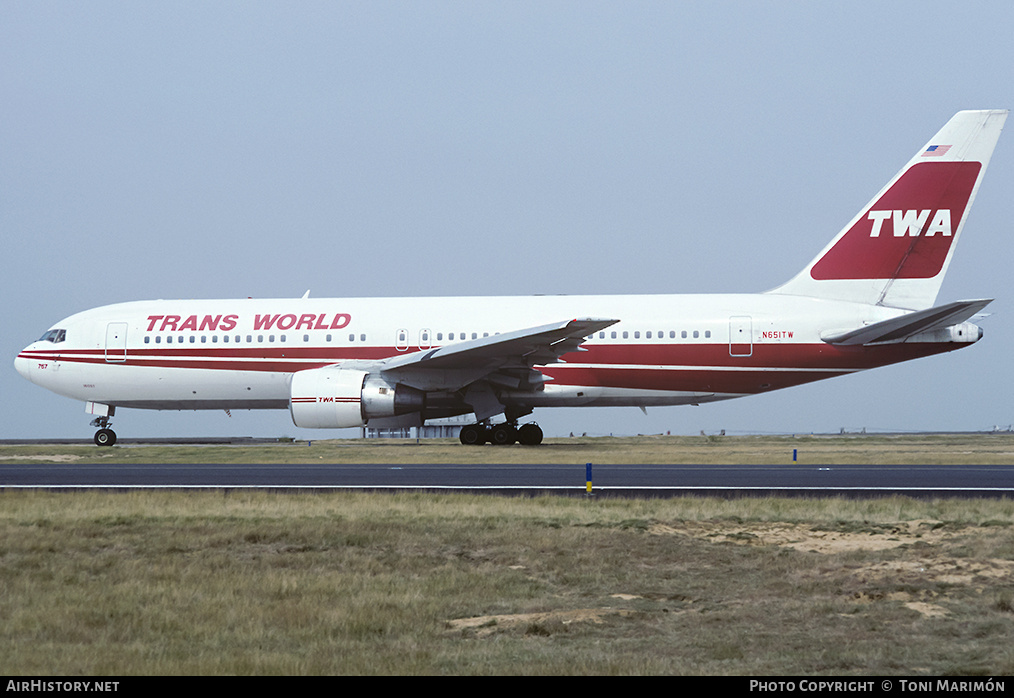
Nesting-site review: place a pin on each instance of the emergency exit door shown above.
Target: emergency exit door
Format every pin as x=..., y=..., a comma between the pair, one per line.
x=740, y=335
x=116, y=342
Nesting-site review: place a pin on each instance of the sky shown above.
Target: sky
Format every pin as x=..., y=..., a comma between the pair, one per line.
x=234, y=149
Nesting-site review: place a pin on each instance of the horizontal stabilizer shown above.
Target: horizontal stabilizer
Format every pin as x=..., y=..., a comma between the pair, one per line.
x=899, y=328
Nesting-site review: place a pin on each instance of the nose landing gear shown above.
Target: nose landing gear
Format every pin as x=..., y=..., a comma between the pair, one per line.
x=104, y=436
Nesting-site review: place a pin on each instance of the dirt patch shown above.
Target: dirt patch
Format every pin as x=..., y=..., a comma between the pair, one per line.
x=532, y=623
x=929, y=610
x=926, y=536
x=948, y=570
x=808, y=539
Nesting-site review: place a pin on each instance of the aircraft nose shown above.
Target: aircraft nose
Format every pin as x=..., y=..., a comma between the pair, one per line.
x=23, y=366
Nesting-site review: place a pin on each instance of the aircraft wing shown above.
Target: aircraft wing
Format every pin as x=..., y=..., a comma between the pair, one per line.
x=505, y=359
x=899, y=328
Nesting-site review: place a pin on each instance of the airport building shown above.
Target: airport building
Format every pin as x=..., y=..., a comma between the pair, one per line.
x=447, y=428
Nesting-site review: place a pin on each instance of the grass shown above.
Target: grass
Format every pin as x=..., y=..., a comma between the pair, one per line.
x=344, y=583
x=980, y=449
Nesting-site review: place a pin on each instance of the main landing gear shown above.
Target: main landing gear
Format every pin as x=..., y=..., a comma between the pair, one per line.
x=104, y=436
x=501, y=434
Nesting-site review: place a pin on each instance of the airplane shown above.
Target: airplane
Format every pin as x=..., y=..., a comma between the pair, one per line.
x=867, y=300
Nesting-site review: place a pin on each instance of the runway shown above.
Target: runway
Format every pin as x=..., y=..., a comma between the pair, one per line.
x=616, y=480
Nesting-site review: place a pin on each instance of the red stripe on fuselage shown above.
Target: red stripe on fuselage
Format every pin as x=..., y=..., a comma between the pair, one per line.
x=680, y=367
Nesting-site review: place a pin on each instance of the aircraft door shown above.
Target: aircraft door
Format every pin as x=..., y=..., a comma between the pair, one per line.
x=740, y=335
x=116, y=342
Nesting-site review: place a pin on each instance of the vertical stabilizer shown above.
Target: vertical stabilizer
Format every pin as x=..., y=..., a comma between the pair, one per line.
x=896, y=250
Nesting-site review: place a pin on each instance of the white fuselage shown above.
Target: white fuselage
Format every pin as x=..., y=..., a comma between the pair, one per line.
x=666, y=350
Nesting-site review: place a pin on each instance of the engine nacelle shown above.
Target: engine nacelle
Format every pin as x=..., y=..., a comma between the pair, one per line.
x=336, y=398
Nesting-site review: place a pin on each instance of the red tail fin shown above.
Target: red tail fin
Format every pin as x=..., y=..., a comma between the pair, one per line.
x=908, y=232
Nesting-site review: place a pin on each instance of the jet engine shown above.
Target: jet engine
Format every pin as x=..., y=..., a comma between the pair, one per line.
x=335, y=398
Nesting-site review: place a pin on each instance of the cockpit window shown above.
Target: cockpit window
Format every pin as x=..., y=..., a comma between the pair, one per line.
x=54, y=336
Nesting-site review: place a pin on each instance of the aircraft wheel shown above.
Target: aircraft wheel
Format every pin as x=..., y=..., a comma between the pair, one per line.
x=530, y=435
x=503, y=435
x=472, y=435
x=105, y=437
